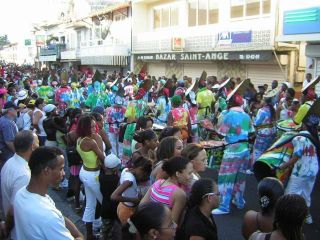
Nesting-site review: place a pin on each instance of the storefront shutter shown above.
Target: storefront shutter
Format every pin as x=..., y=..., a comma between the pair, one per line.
x=156, y=69
x=194, y=70
x=265, y=74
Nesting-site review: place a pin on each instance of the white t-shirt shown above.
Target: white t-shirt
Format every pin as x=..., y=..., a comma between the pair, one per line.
x=131, y=192
x=305, y=82
x=15, y=175
x=36, y=217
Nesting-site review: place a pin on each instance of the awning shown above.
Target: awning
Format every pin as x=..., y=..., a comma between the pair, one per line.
x=110, y=9
x=105, y=60
x=299, y=38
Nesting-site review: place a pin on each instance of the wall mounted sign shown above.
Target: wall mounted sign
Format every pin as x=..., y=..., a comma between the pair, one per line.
x=206, y=56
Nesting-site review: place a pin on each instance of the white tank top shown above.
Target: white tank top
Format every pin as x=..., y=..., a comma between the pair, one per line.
x=40, y=123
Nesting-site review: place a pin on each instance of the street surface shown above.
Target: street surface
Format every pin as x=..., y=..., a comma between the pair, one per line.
x=229, y=226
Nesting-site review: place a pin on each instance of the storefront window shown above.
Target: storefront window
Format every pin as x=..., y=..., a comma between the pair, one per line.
x=236, y=8
x=252, y=7
x=213, y=12
x=192, y=13
x=174, y=16
x=266, y=6
x=156, y=18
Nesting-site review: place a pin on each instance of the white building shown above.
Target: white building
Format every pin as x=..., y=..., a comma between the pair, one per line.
x=183, y=37
x=84, y=39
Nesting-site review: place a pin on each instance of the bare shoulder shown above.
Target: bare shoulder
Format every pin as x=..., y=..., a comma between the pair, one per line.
x=250, y=216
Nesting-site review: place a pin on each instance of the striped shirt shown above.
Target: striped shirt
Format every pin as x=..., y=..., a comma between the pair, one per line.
x=163, y=194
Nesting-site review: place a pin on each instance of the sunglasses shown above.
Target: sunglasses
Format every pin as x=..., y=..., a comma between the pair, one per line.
x=211, y=194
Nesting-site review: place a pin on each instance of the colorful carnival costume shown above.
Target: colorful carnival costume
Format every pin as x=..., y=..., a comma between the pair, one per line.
x=76, y=96
x=135, y=109
x=264, y=123
x=46, y=92
x=236, y=126
x=97, y=97
x=114, y=117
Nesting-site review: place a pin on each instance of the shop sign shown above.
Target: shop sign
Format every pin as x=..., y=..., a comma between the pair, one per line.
x=50, y=58
x=27, y=42
x=177, y=44
x=301, y=21
x=206, y=56
x=227, y=38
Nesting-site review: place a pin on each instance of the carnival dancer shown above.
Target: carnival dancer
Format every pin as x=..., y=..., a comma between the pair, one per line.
x=307, y=99
x=114, y=117
x=76, y=97
x=163, y=104
x=191, y=105
x=135, y=109
x=46, y=92
x=205, y=98
x=235, y=127
x=98, y=97
x=63, y=93
x=179, y=117
x=264, y=124
x=305, y=164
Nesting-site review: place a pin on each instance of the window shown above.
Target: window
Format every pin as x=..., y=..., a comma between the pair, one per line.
x=237, y=8
x=203, y=12
x=165, y=21
x=192, y=14
x=213, y=12
x=157, y=18
x=174, y=16
x=248, y=8
x=266, y=6
x=252, y=7
x=165, y=17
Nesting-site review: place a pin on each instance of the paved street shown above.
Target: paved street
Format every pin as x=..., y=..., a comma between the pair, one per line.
x=229, y=226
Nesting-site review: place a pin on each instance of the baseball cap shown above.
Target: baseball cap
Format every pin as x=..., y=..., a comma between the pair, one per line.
x=111, y=161
x=49, y=108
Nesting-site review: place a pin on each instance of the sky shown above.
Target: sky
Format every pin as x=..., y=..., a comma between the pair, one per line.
x=17, y=16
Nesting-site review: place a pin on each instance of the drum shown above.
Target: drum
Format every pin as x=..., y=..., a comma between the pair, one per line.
x=267, y=165
x=214, y=151
x=286, y=126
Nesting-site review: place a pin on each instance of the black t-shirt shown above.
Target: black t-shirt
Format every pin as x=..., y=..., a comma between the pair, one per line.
x=196, y=224
x=108, y=184
x=50, y=129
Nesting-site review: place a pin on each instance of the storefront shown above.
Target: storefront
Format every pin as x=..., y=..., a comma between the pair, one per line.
x=260, y=66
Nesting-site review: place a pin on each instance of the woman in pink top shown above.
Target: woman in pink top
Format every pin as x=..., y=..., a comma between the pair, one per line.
x=169, y=191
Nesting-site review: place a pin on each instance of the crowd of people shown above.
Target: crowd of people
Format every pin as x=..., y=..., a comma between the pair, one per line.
x=130, y=151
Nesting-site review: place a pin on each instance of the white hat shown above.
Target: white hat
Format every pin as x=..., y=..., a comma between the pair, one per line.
x=22, y=95
x=216, y=86
x=111, y=161
x=49, y=108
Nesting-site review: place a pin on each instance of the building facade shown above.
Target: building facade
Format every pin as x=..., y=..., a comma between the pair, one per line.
x=225, y=38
